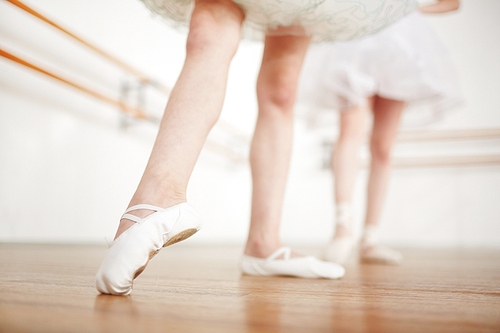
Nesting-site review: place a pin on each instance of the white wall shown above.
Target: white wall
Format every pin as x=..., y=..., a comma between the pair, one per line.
x=67, y=170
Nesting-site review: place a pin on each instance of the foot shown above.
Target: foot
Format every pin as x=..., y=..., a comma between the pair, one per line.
x=263, y=247
x=380, y=254
x=282, y=263
x=129, y=254
x=338, y=249
x=126, y=223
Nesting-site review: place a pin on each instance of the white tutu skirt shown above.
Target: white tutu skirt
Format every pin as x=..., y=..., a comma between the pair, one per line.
x=406, y=62
x=322, y=19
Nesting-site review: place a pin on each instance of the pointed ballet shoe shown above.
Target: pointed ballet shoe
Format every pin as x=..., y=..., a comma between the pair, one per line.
x=130, y=253
x=303, y=267
x=338, y=250
x=380, y=254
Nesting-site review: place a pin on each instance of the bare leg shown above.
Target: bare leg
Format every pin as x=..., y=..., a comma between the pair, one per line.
x=345, y=160
x=270, y=158
x=272, y=141
x=387, y=115
x=386, y=118
x=193, y=108
x=345, y=165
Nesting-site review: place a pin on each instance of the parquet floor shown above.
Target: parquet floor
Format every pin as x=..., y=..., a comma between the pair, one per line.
x=50, y=288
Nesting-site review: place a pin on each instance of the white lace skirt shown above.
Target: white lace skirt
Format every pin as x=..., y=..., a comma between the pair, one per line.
x=406, y=62
x=323, y=19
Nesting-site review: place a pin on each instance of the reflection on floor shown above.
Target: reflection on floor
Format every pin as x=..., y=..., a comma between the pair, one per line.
x=50, y=288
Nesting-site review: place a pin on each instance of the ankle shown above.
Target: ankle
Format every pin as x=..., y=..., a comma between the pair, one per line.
x=142, y=213
x=122, y=227
x=341, y=231
x=158, y=193
x=343, y=219
x=261, y=247
x=370, y=236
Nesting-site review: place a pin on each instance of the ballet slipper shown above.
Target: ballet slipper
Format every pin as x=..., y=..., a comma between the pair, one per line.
x=130, y=253
x=380, y=254
x=340, y=247
x=338, y=250
x=302, y=267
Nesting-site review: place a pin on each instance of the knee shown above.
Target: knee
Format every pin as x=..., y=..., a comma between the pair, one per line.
x=380, y=151
x=353, y=126
x=214, y=29
x=352, y=133
x=277, y=93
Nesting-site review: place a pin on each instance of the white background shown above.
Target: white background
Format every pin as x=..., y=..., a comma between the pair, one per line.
x=67, y=169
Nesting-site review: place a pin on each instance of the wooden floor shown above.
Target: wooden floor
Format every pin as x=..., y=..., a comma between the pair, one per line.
x=50, y=288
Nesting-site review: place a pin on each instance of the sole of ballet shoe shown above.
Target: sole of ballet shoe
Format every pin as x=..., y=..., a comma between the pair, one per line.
x=130, y=253
x=175, y=239
x=301, y=267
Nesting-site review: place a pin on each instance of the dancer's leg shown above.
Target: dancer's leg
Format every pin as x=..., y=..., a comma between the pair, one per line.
x=193, y=107
x=270, y=158
x=345, y=162
x=272, y=141
x=386, y=119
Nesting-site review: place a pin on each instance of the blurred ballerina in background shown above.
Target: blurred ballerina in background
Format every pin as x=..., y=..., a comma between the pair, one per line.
x=404, y=64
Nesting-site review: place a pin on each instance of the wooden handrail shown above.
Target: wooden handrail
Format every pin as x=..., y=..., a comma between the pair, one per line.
x=135, y=112
x=401, y=162
x=440, y=161
x=143, y=77
x=446, y=161
x=448, y=135
x=126, y=108
x=440, y=135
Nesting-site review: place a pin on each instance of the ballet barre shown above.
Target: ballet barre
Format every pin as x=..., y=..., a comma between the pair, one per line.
x=434, y=161
x=449, y=135
x=230, y=129
x=445, y=161
x=439, y=161
x=133, y=111
x=141, y=76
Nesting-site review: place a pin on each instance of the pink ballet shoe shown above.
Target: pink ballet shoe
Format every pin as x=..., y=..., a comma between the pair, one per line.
x=129, y=254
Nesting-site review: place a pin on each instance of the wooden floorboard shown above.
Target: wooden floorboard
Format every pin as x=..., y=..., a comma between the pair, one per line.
x=50, y=288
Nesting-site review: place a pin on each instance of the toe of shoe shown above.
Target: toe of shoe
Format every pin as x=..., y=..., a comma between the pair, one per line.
x=113, y=279
x=328, y=270
x=110, y=285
